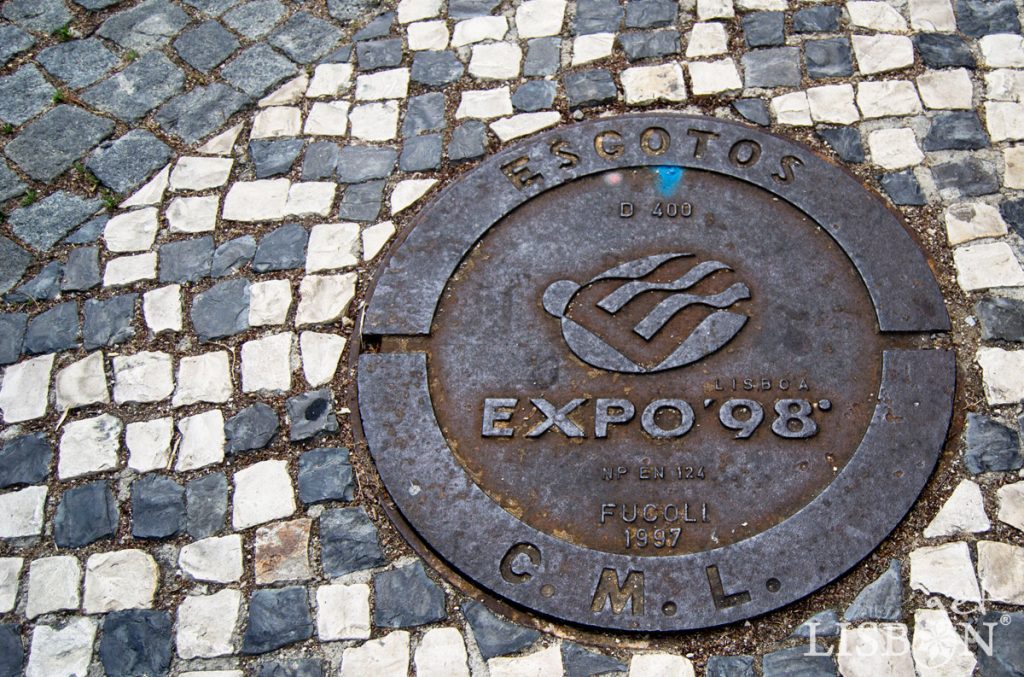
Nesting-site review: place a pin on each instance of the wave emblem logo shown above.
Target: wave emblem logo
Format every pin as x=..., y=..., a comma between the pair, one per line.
x=713, y=332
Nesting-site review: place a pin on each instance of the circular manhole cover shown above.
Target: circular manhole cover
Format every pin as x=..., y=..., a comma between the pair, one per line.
x=654, y=373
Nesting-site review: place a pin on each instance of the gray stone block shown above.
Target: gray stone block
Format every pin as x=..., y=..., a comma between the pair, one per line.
x=23, y=95
x=258, y=69
x=146, y=26
x=44, y=223
x=255, y=19
x=206, y=46
x=109, y=321
x=138, y=89
x=78, y=63
x=200, y=112
x=305, y=38
x=42, y=16
x=126, y=163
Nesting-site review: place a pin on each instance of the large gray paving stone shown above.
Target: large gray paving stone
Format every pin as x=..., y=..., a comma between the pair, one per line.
x=200, y=112
x=597, y=16
x=211, y=7
x=543, y=56
x=589, y=88
x=361, y=201
x=258, y=69
x=304, y=38
x=10, y=183
x=125, y=163
x=206, y=46
x=13, y=41
x=374, y=54
x=466, y=9
x=23, y=95
x=350, y=10
x=146, y=26
x=43, y=224
x=778, y=67
x=96, y=5
x=138, y=89
x=13, y=262
x=48, y=146
x=348, y=542
x=82, y=271
x=186, y=260
x=43, y=16
x=255, y=19
x=78, y=63
x=206, y=505
x=406, y=597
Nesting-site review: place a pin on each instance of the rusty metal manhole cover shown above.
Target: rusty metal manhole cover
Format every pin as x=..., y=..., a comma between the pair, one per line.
x=654, y=373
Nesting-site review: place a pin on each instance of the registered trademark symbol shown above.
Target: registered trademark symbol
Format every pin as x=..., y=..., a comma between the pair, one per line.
x=1004, y=619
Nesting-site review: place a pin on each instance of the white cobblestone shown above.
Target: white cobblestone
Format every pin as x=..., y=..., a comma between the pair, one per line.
x=23, y=395
x=544, y=662
x=540, y=18
x=714, y=77
x=970, y=220
x=269, y=302
x=478, y=29
x=203, y=378
x=987, y=266
x=143, y=377
x=64, y=652
x=53, y=585
x=882, y=52
x=707, y=39
x=496, y=60
x=416, y=10
x=23, y=512
x=441, y=653
x=944, y=570
x=267, y=363
x=963, y=512
x=377, y=121
x=310, y=198
x=149, y=444
x=1002, y=50
x=332, y=246
x=894, y=148
x=327, y=118
x=193, y=214
x=932, y=16
x=162, y=309
x=202, y=440
x=1002, y=371
x=591, y=47
x=89, y=446
x=485, y=104
x=939, y=649
x=223, y=143
x=877, y=649
x=375, y=237
x=1013, y=167
x=875, y=16
x=277, y=121
x=792, y=109
x=82, y=383
x=200, y=173
x=946, y=90
x=715, y=9
x=388, y=655
x=427, y=35
x=646, y=84
x=660, y=664
x=1011, y=505
x=206, y=624
x=524, y=124
x=263, y=492
x=262, y=200
x=217, y=559
x=288, y=93
x=887, y=98
x=320, y=355
x=1004, y=85
x=324, y=298
x=1005, y=120
x=125, y=270
x=390, y=84
x=10, y=572
x=408, y=192
x=832, y=103
x=343, y=612
x=1001, y=570
x=125, y=579
x=132, y=231
x=151, y=193
x=330, y=79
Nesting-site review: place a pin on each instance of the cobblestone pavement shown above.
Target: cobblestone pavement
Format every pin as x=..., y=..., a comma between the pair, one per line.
x=195, y=194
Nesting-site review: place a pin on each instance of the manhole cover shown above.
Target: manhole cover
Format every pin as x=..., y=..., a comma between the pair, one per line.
x=654, y=373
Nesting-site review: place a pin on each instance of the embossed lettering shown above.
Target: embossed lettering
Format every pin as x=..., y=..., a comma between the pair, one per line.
x=721, y=598
x=603, y=414
x=560, y=148
x=508, y=563
x=787, y=164
x=558, y=417
x=497, y=409
x=608, y=590
x=745, y=153
x=519, y=173
x=651, y=427
x=655, y=141
x=702, y=140
x=609, y=145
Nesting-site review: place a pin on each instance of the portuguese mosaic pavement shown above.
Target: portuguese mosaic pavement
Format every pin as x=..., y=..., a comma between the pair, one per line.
x=195, y=195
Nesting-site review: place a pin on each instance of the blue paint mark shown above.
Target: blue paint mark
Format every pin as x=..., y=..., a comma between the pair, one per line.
x=669, y=179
